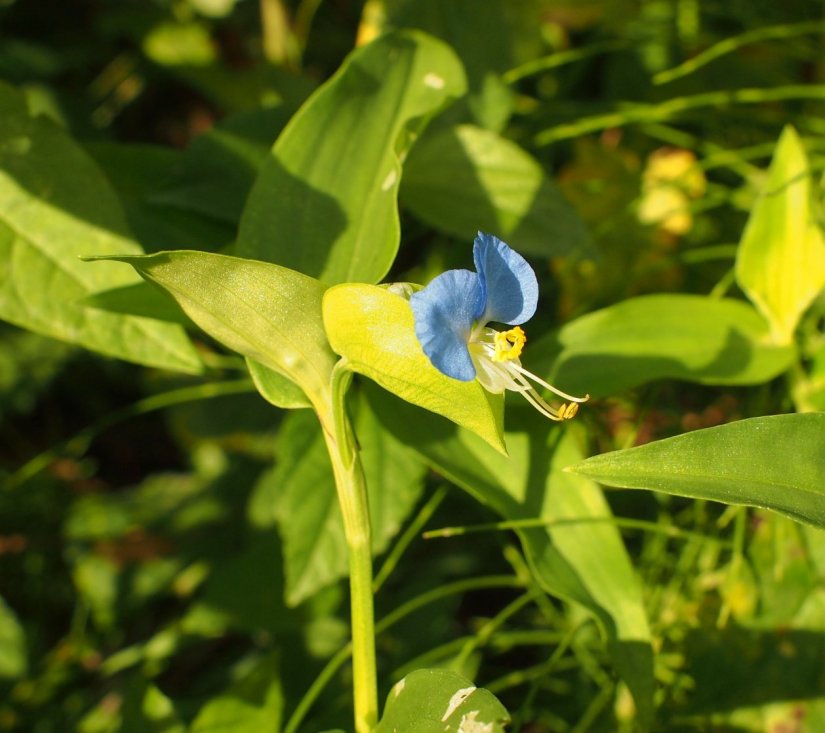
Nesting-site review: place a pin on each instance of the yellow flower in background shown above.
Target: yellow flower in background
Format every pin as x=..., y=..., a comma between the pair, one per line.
x=670, y=180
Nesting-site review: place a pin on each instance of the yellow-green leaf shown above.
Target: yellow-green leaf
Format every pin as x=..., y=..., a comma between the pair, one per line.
x=373, y=329
x=781, y=258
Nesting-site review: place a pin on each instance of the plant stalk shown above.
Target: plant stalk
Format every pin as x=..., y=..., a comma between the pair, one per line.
x=352, y=497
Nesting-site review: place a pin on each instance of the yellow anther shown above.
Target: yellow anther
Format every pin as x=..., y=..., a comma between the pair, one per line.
x=568, y=411
x=509, y=344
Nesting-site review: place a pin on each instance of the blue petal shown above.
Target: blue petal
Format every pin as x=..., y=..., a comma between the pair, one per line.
x=509, y=289
x=444, y=313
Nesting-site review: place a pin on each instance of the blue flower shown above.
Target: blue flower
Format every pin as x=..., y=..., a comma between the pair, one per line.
x=451, y=317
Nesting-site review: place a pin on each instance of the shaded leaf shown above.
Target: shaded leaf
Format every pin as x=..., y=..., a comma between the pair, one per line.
x=328, y=208
x=372, y=328
x=774, y=462
x=464, y=179
x=252, y=704
x=780, y=263
x=275, y=388
x=56, y=206
x=301, y=494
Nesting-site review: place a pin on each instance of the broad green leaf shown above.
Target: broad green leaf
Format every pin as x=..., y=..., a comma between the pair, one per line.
x=254, y=703
x=463, y=179
x=300, y=494
x=583, y=562
x=441, y=701
x=373, y=329
x=325, y=201
x=772, y=462
x=265, y=312
x=653, y=337
x=56, y=206
x=13, y=655
x=781, y=259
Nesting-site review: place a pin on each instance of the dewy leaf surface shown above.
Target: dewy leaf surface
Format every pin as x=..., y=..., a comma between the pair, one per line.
x=463, y=179
x=781, y=259
x=582, y=561
x=775, y=462
x=56, y=206
x=265, y=312
x=373, y=329
x=672, y=336
x=324, y=202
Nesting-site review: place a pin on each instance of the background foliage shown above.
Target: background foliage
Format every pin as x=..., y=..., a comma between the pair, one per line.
x=172, y=556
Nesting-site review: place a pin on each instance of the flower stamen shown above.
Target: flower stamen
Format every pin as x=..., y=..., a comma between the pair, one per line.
x=508, y=344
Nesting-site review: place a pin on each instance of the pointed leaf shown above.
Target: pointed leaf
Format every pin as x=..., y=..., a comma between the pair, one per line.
x=639, y=340
x=774, y=462
x=441, y=701
x=373, y=329
x=55, y=206
x=464, y=179
x=265, y=312
x=781, y=258
x=325, y=201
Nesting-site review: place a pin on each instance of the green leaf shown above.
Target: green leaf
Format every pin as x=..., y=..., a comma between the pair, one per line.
x=440, y=701
x=781, y=259
x=772, y=462
x=328, y=207
x=577, y=556
x=373, y=329
x=138, y=299
x=13, y=655
x=136, y=172
x=56, y=206
x=254, y=703
x=463, y=179
x=217, y=171
x=265, y=312
x=301, y=495
x=653, y=337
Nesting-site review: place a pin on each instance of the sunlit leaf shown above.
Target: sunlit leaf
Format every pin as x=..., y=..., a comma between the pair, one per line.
x=774, y=462
x=327, y=208
x=441, y=701
x=672, y=336
x=56, y=206
x=464, y=179
x=781, y=258
x=372, y=328
x=265, y=312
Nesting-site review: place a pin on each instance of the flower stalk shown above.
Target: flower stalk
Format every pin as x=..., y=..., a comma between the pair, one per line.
x=351, y=488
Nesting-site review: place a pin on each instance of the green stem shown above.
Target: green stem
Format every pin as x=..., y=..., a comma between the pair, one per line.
x=352, y=497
